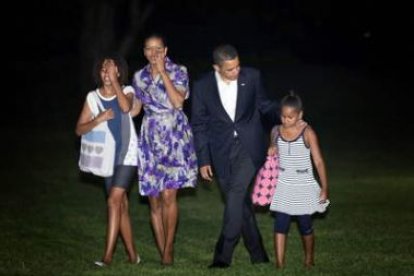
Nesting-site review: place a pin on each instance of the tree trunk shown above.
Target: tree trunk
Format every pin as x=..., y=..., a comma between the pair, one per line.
x=99, y=33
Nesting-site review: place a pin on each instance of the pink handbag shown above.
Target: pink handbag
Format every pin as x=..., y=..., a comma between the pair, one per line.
x=265, y=182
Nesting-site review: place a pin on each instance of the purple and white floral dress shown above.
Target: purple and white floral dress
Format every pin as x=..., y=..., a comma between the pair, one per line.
x=166, y=155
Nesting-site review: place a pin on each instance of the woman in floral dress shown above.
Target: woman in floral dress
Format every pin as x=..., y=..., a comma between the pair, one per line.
x=166, y=156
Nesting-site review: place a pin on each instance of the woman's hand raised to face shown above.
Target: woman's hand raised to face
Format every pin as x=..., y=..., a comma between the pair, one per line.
x=160, y=61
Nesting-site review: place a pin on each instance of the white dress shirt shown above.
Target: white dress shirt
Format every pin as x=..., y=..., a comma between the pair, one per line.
x=228, y=95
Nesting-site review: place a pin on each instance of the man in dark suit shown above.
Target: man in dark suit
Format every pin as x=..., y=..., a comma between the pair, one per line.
x=227, y=105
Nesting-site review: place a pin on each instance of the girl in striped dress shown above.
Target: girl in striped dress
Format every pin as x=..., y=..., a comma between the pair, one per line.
x=297, y=195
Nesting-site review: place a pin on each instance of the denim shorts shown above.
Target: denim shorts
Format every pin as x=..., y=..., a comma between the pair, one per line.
x=122, y=177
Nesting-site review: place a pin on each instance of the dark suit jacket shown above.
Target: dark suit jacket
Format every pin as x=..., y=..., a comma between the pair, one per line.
x=213, y=129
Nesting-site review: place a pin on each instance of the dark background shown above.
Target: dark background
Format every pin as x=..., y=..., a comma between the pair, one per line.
x=53, y=45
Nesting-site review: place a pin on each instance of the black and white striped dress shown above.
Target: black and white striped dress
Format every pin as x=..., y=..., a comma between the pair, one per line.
x=297, y=192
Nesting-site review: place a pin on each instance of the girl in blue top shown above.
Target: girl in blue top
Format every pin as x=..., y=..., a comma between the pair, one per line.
x=118, y=100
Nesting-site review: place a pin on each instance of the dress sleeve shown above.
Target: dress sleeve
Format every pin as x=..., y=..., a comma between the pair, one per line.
x=139, y=94
x=181, y=81
x=128, y=89
x=90, y=99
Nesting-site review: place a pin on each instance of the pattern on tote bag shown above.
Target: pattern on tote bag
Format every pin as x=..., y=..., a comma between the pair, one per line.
x=97, y=151
x=87, y=150
x=265, y=182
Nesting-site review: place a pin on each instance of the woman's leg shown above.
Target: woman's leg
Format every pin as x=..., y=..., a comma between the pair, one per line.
x=126, y=230
x=157, y=223
x=114, y=202
x=169, y=218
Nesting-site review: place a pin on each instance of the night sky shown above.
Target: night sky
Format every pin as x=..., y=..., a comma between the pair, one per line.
x=361, y=34
x=53, y=29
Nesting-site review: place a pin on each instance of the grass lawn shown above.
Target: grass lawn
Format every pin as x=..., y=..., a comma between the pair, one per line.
x=53, y=219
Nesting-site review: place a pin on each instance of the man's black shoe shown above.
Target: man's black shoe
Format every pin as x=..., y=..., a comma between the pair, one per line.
x=262, y=261
x=219, y=265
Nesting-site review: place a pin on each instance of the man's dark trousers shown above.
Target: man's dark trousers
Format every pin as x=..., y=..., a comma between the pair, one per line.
x=239, y=216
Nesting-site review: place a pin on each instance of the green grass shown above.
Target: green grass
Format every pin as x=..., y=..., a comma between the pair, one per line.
x=53, y=218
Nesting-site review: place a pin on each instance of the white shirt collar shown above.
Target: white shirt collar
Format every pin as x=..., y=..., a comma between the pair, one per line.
x=220, y=80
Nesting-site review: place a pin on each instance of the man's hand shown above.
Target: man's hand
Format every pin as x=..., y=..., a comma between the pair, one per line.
x=301, y=123
x=206, y=172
